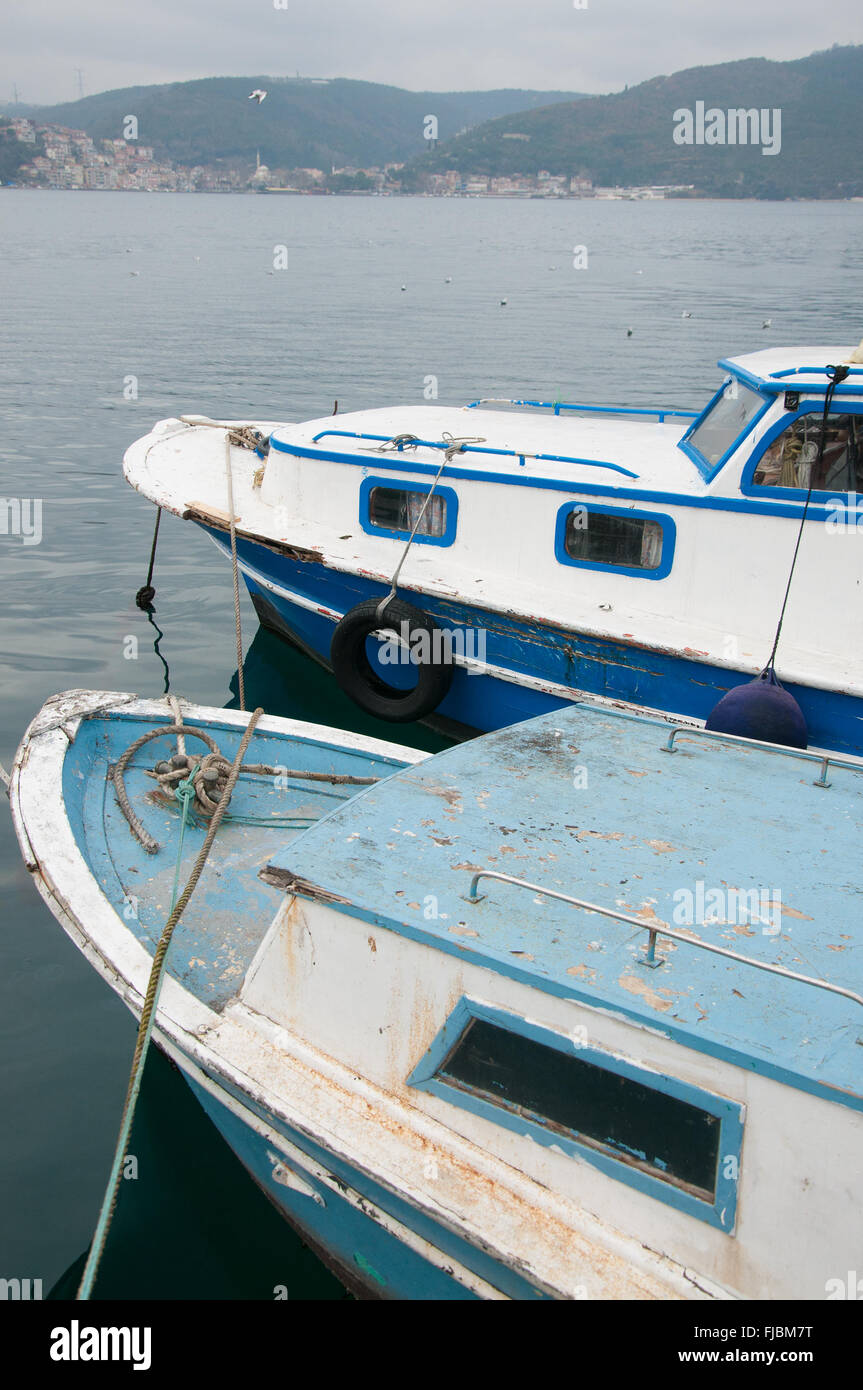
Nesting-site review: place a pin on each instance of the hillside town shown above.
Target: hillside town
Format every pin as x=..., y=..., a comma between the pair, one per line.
x=71, y=159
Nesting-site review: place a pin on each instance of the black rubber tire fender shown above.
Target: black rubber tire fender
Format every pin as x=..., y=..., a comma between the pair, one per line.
x=358, y=679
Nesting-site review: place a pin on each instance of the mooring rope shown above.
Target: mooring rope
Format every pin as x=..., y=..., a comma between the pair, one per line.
x=836, y=375
x=236, y=572
x=453, y=447
x=150, y=845
x=244, y=437
x=145, y=1027
x=146, y=594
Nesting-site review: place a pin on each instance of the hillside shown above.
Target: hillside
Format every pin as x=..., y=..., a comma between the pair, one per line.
x=13, y=153
x=627, y=138
x=301, y=124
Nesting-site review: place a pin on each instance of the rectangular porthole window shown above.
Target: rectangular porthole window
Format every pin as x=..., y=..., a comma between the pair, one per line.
x=395, y=511
x=616, y=540
x=669, y=1139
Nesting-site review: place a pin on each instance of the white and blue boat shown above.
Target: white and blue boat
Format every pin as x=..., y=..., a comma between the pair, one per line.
x=542, y=552
x=572, y=1011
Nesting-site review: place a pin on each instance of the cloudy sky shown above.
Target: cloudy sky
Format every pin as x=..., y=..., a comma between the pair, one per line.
x=425, y=45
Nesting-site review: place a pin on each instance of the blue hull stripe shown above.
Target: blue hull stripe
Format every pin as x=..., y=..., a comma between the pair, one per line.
x=556, y=655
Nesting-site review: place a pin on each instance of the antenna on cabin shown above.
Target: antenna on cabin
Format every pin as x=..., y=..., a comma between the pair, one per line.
x=80, y=75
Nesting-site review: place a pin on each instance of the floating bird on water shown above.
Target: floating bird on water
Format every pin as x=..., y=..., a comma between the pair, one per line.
x=404, y=287
x=768, y=323
x=502, y=303
x=134, y=272
x=629, y=332
x=257, y=95
x=686, y=314
x=448, y=280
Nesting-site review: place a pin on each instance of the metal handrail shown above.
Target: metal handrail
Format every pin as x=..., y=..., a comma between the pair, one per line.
x=520, y=454
x=558, y=406
x=799, y=371
x=826, y=760
x=650, y=958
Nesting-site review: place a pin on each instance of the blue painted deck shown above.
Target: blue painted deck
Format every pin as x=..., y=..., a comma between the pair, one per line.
x=231, y=907
x=647, y=826
x=613, y=669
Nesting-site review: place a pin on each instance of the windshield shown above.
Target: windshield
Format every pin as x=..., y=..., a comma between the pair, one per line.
x=731, y=414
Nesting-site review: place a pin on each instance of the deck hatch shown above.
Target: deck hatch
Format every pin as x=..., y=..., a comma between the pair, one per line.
x=652, y=1131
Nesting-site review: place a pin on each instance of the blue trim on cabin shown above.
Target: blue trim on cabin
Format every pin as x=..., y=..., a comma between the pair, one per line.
x=776, y=387
x=449, y=495
x=814, y=371
x=720, y=1213
x=751, y=489
x=753, y=506
x=669, y=538
x=330, y=456
x=569, y=486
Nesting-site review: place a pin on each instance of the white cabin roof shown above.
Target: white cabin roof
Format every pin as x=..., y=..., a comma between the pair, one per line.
x=634, y=450
x=781, y=367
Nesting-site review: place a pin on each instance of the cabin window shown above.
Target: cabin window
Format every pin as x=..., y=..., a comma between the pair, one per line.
x=395, y=511
x=672, y=1140
x=606, y=539
x=725, y=421
x=654, y=1132
x=789, y=461
x=615, y=539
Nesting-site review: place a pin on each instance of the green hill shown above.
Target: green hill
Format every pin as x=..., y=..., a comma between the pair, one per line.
x=627, y=138
x=301, y=124
x=13, y=153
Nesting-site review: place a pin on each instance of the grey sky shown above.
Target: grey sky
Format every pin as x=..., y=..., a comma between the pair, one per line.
x=437, y=45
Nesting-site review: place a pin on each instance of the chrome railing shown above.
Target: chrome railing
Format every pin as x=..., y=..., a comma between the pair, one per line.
x=650, y=957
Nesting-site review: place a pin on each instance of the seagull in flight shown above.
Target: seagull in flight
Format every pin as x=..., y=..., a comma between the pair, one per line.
x=257, y=95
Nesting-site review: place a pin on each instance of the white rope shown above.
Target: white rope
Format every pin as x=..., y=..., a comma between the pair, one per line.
x=453, y=446
x=235, y=567
x=174, y=706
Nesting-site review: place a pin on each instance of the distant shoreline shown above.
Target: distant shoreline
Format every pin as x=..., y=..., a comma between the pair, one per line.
x=436, y=197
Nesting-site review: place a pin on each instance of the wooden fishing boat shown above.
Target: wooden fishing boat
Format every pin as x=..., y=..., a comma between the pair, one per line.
x=569, y=1011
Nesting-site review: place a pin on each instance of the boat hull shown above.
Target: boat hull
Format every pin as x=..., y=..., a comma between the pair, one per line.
x=518, y=669
x=378, y=1244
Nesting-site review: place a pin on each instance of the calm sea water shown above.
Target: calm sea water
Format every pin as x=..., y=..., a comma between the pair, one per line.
x=180, y=293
